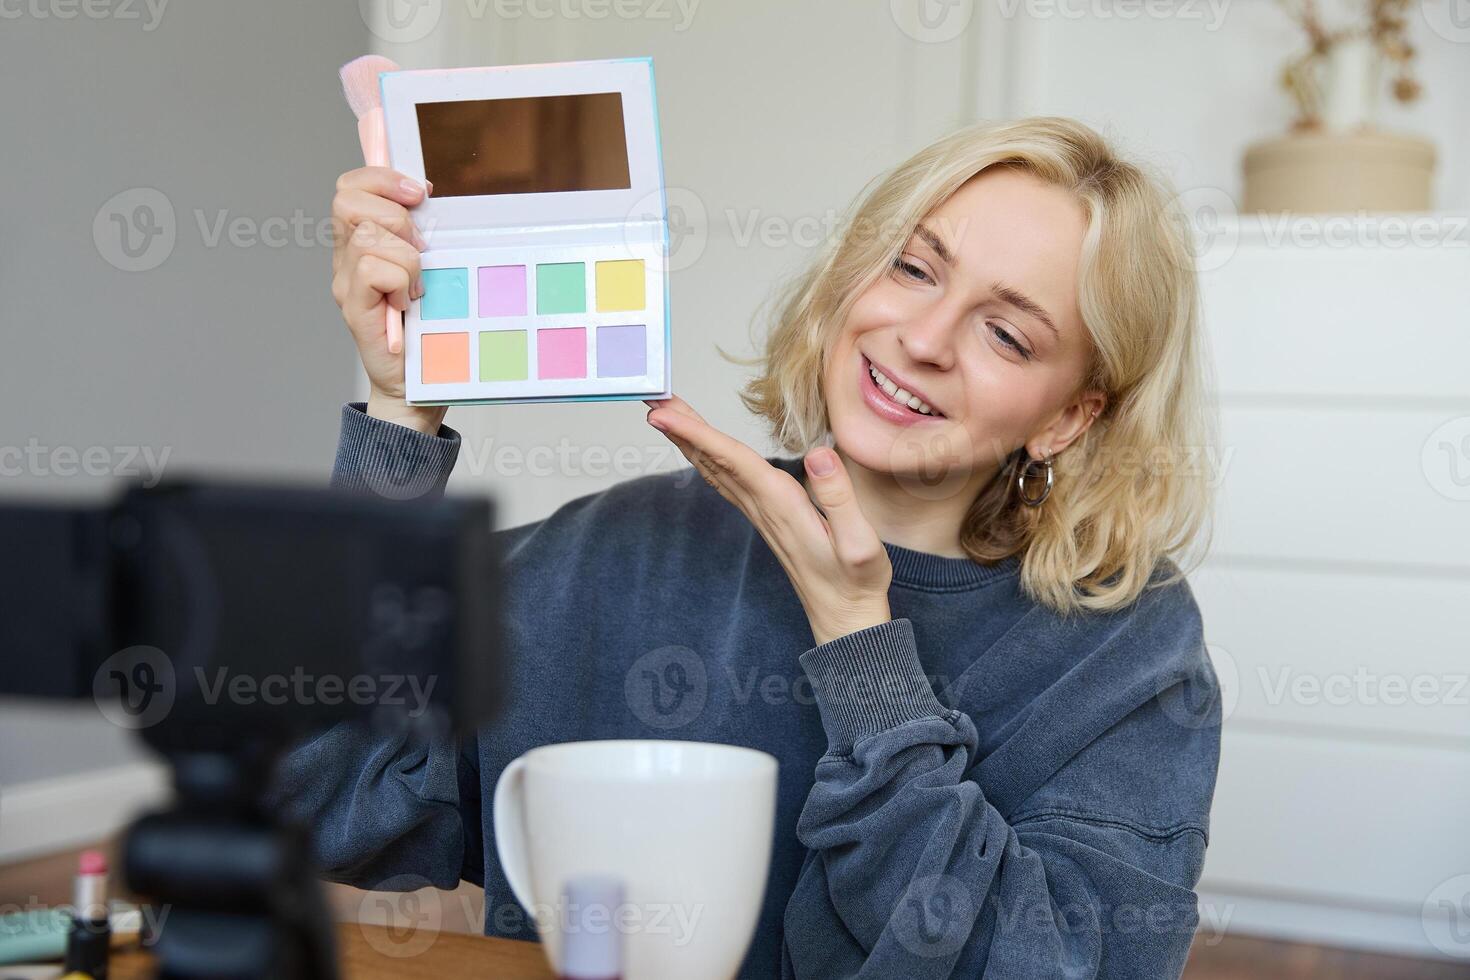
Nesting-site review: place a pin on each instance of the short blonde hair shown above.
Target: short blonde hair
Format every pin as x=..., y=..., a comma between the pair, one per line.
x=1113, y=519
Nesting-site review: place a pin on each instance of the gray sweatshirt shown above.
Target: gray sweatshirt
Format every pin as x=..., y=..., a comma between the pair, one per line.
x=1028, y=797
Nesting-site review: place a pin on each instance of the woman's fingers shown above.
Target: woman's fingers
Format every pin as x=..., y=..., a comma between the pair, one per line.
x=375, y=264
x=375, y=279
x=853, y=538
x=369, y=239
x=351, y=208
x=384, y=182
x=675, y=403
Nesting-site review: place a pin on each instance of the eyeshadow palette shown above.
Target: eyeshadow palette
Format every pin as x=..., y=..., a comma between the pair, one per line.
x=545, y=274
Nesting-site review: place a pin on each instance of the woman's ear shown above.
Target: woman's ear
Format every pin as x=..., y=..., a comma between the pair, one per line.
x=1069, y=424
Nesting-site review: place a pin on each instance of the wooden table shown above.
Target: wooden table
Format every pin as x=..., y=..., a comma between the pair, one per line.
x=361, y=951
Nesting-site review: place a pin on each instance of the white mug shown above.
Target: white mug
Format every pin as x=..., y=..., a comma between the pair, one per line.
x=686, y=826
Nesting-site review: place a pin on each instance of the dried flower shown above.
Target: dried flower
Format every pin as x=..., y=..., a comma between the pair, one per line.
x=1406, y=89
x=1385, y=28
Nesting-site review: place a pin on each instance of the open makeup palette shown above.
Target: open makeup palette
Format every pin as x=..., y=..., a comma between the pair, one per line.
x=545, y=277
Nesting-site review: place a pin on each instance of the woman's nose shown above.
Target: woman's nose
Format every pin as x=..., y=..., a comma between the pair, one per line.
x=930, y=336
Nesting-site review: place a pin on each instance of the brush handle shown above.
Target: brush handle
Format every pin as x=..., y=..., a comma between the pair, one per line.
x=374, y=138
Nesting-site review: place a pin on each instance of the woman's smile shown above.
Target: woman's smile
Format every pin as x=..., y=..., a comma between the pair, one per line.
x=889, y=400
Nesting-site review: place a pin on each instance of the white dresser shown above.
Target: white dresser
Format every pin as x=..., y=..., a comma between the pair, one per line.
x=1336, y=599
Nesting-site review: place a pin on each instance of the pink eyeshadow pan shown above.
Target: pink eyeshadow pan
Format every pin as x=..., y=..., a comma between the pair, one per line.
x=503, y=290
x=561, y=352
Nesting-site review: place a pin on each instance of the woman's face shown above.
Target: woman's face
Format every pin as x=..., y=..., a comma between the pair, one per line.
x=976, y=330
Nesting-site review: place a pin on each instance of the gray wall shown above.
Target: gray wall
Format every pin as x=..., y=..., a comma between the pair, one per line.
x=226, y=354
x=223, y=356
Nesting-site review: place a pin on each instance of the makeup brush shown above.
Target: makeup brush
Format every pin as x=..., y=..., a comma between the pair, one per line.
x=360, y=85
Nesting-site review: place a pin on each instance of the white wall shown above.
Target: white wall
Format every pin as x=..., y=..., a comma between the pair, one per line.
x=775, y=115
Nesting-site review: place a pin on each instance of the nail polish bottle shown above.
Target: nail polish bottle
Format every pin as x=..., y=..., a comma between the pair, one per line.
x=591, y=944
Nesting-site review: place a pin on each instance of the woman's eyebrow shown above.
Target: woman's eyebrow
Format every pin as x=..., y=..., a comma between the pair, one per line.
x=1025, y=304
x=936, y=243
x=1007, y=294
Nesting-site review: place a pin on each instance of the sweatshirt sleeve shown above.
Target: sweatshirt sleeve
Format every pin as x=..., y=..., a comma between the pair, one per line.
x=911, y=871
x=391, y=460
x=386, y=811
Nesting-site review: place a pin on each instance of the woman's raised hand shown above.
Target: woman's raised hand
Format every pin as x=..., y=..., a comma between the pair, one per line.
x=834, y=558
x=375, y=264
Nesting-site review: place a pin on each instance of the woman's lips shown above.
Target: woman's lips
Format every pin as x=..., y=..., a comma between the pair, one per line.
x=883, y=406
x=904, y=385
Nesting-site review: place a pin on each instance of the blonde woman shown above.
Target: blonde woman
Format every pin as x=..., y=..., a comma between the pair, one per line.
x=993, y=382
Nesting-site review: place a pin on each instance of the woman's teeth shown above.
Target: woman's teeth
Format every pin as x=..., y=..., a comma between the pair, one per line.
x=897, y=394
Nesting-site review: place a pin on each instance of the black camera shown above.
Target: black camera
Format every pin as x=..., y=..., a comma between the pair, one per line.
x=222, y=622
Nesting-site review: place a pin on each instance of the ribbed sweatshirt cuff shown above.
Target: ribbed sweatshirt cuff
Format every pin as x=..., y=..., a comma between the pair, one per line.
x=868, y=682
x=391, y=460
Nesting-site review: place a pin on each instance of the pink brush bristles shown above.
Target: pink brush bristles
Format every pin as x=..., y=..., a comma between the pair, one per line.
x=360, y=82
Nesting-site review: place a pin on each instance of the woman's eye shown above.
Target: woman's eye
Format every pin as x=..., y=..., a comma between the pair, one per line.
x=910, y=271
x=1009, y=341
